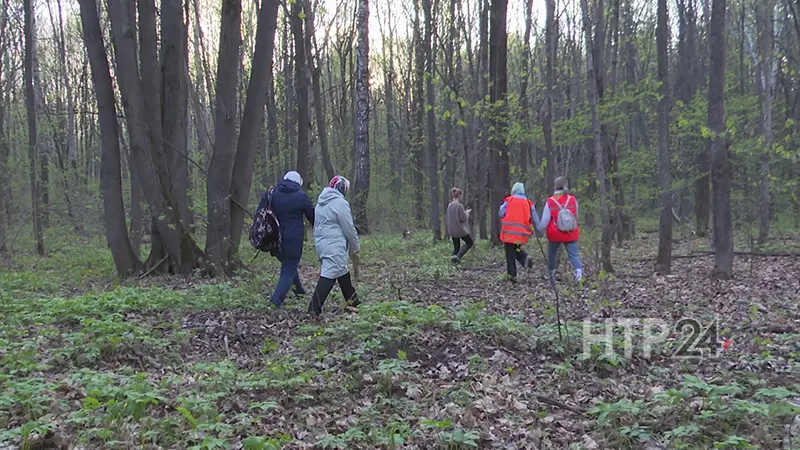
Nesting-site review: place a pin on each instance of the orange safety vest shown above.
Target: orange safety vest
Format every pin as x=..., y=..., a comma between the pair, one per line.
x=515, y=226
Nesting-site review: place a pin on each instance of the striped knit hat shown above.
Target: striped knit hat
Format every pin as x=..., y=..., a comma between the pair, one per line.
x=339, y=183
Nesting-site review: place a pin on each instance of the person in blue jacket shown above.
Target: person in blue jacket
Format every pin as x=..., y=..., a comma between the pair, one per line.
x=290, y=204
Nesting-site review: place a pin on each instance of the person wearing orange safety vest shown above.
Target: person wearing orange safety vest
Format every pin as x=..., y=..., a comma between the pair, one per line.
x=517, y=219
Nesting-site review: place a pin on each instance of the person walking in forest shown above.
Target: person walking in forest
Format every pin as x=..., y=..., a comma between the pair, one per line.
x=560, y=220
x=457, y=221
x=335, y=237
x=517, y=219
x=289, y=204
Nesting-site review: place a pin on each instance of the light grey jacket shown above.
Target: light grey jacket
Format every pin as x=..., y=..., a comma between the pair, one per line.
x=334, y=233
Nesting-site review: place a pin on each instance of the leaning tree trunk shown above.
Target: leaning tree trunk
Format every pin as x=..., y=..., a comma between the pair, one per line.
x=597, y=144
x=498, y=48
x=253, y=118
x=361, y=139
x=430, y=103
x=125, y=260
x=664, y=259
x=3, y=148
x=30, y=106
x=218, y=240
x=720, y=160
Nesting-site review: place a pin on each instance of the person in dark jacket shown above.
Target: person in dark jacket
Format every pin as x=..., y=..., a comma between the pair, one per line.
x=290, y=204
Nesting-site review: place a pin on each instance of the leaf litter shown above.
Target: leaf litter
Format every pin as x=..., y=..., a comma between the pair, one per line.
x=436, y=357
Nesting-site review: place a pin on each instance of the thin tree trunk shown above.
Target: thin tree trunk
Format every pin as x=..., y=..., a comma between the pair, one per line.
x=301, y=88
x=551, y=47
x=597, y=143
x=253, y=118
x=218, y=240
x=720, y=161
x=664, y=259
x=125, y=260
x=525, y=145
x=419, y=108
x=316, y=85
x=361, y=138
x=4, y=150
x=764, y=10
x=30, y=104
x=430, y=104
x=482, y=161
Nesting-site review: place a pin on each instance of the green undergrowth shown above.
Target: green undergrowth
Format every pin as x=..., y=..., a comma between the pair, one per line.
x=127, y=364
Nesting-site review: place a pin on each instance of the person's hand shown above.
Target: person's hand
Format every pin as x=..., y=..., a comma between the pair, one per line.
x=469, y=211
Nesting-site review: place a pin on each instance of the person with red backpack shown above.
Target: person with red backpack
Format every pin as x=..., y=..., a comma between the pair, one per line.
x=560, y=220
x=517, y=219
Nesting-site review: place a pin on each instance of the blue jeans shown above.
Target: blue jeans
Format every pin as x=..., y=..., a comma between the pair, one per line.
x=288, y=278
x=572, y=251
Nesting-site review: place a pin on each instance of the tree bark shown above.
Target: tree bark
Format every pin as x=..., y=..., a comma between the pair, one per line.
x=361, y=138
x=597, y=144
x=764, y=19
x=301, y=88
x=140, y=100
x=218, y=241
x=498, y=43
x=174, y=101
x=4, y=149
x=430, y=108
x=720, y=161
x=419, y=114
x=664, y=259
x=252, y=118
x=525, y=145
x=551, y=46
x=482, y=160
x=30, y=105
x=125, y=260
x=316, y=86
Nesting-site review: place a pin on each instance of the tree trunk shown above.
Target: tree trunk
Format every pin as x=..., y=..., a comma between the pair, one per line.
x=419, y=108
x=142, y=112
x=664, y=259
x=551, y=49
x=498, y=43
x=361, y=138
x=482, y=160
x=316, y=85
x=764, y=10
x=597, y=143
x=174, y=101
x=430, y=105
x=525, y=145
x=720, y=162
x=218, y=240
x=253, y=119
x=30, y=105
x=3, y=142
x=125, y=260
x=301, y=88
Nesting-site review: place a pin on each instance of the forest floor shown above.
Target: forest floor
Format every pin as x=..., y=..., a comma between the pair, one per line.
x=436, y=356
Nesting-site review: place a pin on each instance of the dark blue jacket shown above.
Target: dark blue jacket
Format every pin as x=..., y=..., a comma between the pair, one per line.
x=290, y=204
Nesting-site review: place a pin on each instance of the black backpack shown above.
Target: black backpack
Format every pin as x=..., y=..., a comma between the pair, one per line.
x=265, y=233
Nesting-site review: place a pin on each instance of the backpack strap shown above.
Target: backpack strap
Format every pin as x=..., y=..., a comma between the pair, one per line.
x=558, y=204
x=269, y=198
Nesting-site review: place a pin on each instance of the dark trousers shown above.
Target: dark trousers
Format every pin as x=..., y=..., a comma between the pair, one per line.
x=324, y=287
x=514, y=254
x=457, y=251
x=288, y=280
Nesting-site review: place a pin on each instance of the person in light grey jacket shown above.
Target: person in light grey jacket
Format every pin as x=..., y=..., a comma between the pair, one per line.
x=334, y=237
